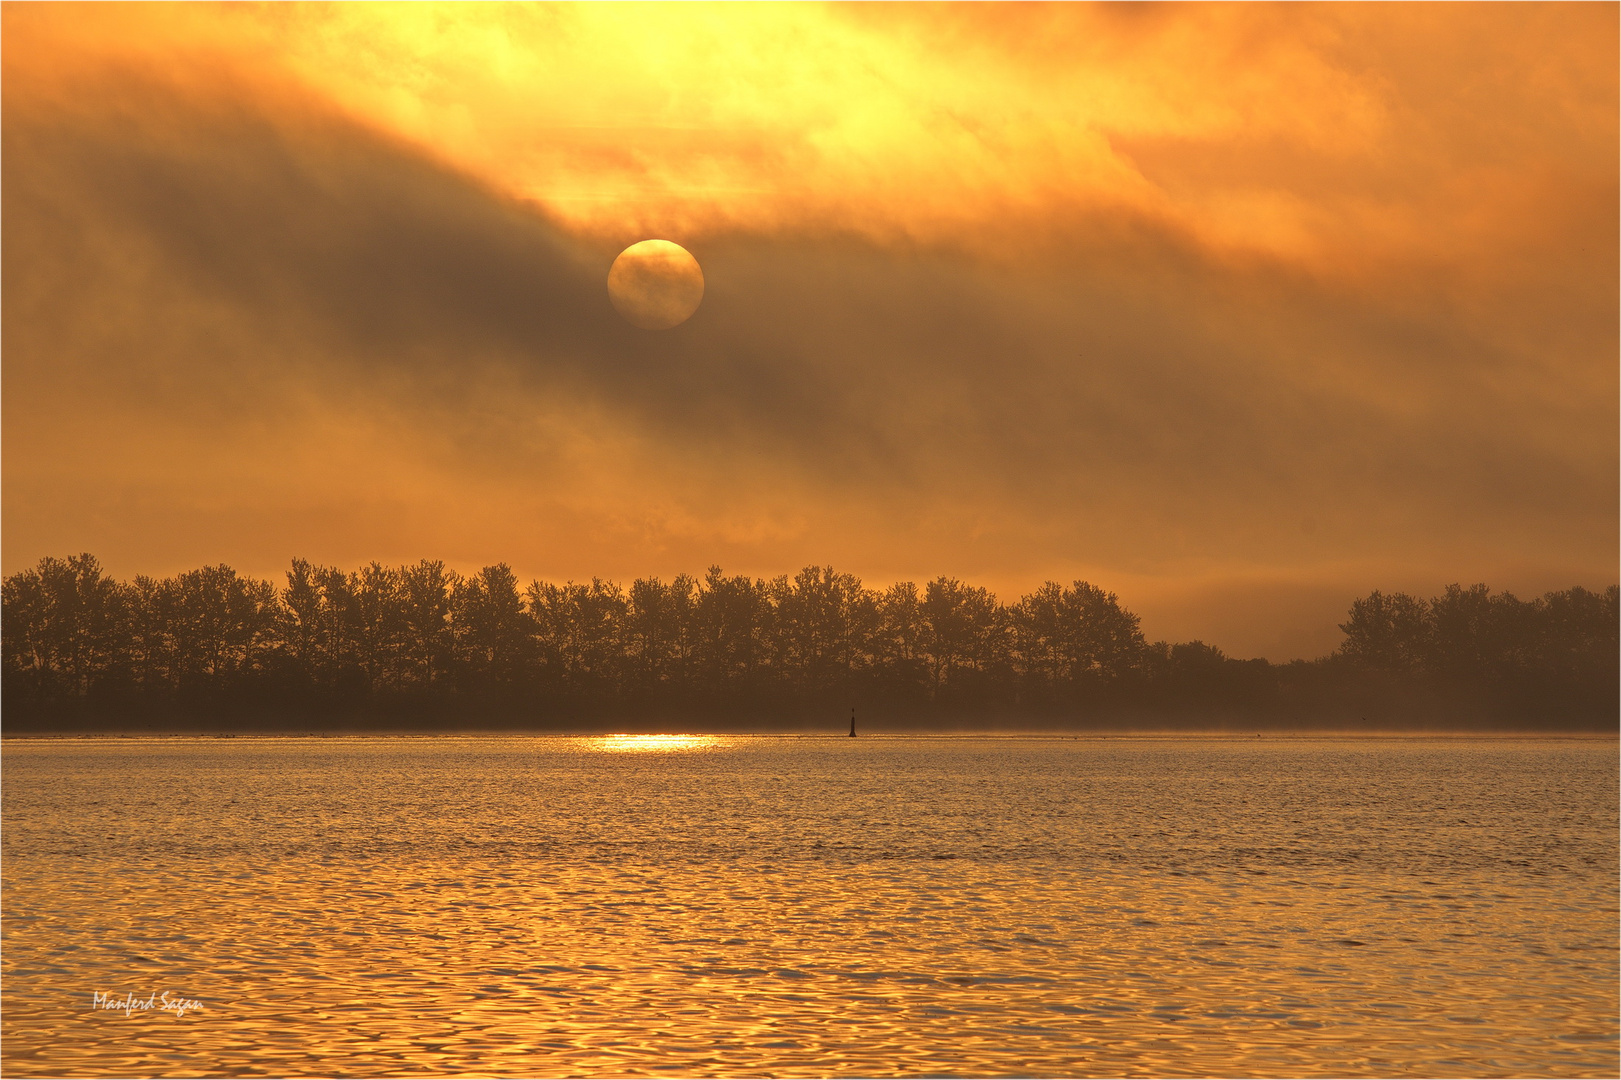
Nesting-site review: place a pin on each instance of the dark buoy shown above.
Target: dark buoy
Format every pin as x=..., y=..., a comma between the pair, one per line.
x=852, y=721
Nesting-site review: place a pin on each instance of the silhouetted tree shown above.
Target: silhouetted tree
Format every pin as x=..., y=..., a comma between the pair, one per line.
x=1578, y=632
x=899, y=657
x=425, y=607
x=1475, y=635
x=149, y=648
x=384, y=641
x=494, y=636
x=822, y=628
x=727, y=631
x=379, y=627
x=658, y=638
x=222, y=628
x=963, y=643
x=64, y=626
x=304, y=624
x=581, y=629
x=1074, y=638
x=1389, y=633
x=1192, y=675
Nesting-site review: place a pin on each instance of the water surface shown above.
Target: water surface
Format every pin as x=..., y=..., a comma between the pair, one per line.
x=812, y=907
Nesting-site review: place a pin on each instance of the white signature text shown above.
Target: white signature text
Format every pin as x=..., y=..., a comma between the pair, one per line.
x=132, y=1003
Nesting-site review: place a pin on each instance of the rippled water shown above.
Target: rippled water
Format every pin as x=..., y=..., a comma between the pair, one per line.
x=812, y=907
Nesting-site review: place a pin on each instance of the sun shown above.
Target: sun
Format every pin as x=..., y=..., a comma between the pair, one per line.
x=656, y=284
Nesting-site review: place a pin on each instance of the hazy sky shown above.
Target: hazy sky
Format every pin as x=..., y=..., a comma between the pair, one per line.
x=1236, y=311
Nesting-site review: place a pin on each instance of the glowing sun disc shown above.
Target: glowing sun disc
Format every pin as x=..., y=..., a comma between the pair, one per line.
x=656, y=284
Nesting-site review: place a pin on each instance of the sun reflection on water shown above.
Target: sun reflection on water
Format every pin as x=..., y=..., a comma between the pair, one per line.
x=655, y=742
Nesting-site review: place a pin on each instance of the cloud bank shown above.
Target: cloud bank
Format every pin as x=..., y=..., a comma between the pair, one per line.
x=1234, y=311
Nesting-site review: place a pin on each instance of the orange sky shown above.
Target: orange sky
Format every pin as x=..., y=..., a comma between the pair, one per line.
x=1238, y=311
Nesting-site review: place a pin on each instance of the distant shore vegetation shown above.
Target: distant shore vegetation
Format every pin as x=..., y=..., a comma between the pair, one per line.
x=424, y=647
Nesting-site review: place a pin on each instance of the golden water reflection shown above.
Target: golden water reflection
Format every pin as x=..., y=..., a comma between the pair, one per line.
x=810, y=908
x=621, y=743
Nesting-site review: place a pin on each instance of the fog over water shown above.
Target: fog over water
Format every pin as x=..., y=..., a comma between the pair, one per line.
x=782, y=906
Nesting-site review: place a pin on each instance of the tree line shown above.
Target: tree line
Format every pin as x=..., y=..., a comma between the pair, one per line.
x=424, y=644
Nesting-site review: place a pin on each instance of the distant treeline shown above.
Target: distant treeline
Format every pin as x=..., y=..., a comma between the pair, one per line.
x=424, y=646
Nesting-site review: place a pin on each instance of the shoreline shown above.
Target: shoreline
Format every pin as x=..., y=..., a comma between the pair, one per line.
x=884, y=736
